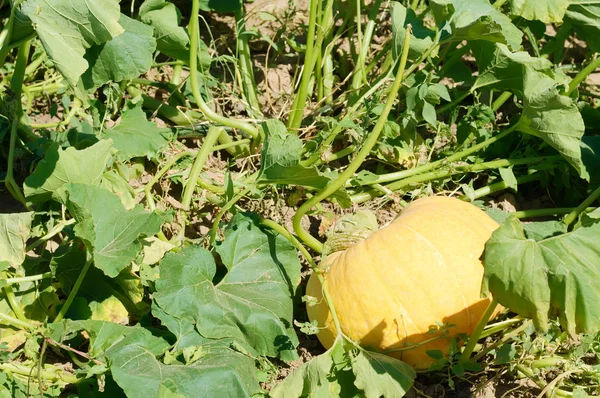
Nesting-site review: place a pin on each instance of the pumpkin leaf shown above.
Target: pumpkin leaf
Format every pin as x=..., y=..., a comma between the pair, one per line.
x=171, y=39
x=547, y=11
x=280, y=162
x=381, y=375
x=280, y=159
x=585, y=19
x=67, y=29
x=14, y=233
x=475, y=20
x=328, y=375
x=252, y=303
x=124, y=57
x=135, y=367
x=60, y=167
x=547, y=278
x=421, y=38
x=553, y=117
x=501, y=69
x=310, y=379
x=135, y=136
x=111, y=233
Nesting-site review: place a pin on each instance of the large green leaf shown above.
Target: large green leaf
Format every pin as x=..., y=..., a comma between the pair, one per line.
x=124, y=57
x=111, y=233
x=164, y=17
x=102, y=335
x=501, y=69
x=585, y=19
x=135, y=136
x=14, y=232
x=280, y=159
x=552, y=277
x=220, y=372
x=253, y=302
x=312, y=379
x=547, y=11
x=66, y=265
x=552, y=116
x=375, y=375
x=421, y=37
x=280, y=162
x=475, y=20
x=68, y=28
x=171, y=39
x=60, y=167
x=381, y=375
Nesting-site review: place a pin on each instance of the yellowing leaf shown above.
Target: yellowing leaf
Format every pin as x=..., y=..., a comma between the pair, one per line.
x=547, y=11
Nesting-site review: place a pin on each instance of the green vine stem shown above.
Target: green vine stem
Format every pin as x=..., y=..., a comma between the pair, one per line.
x=582, y=75
x=399, y=175
x=474, y=337
x=50, y=373
x=206, y=110
x=531, y=376
x=286, y=234
x=451, y=170
x=19, y=324
x=371, y=140
x=310, y=58
x=74, y=289
x=148, y=188
x=501, y=186
x=572, y=216
x=381, y=80
x=494, y=328
x=30, y=278
x=292, y=239
x=192, y=181
x=16, y=85
x=454, y=103
x=52, y=233
x=174, y=115
x=546, y=212
x=499, y=342
x=225, y=209
x=74, y=109
x=498, y=102
x=9, y=294
x=6, y=34
x=245, y=65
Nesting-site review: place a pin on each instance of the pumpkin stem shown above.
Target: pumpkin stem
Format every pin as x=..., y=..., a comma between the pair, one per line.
x=350, y=229
x=473, y=338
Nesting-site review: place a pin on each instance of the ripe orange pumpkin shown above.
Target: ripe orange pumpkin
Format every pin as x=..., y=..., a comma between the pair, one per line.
x=421, y=270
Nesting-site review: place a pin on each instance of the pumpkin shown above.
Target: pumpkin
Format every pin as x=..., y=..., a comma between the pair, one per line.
x=421, y=270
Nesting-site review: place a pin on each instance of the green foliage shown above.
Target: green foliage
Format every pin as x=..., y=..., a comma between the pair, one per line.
x=130, y=300
x=421, y=37
x=373, y=374
x=171, y=38
x=251, y=303
x=552, y=116
x=585, y=19
x=124, y=57
x=475, y=20
x=68, y=29
x=135, y=136
x=547, y=11
x=61, y=167
x=15, y=232
x=546, y=278
x=111, y=233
